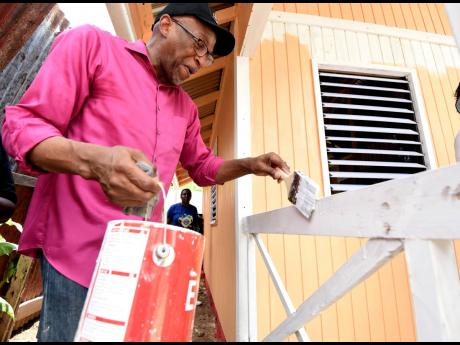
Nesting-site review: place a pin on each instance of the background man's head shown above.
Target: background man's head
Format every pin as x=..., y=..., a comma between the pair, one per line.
x=186, y=196
x=186, y=38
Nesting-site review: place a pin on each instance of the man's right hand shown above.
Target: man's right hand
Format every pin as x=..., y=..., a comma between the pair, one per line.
x=122, y=181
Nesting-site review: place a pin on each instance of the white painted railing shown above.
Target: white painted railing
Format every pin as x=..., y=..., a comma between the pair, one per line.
x=419, y=214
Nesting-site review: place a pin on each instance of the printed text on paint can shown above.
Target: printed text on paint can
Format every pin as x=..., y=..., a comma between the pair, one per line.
x=189, y=306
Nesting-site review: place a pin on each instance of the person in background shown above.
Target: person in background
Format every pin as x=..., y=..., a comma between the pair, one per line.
x=8, y=197
x=184, y=214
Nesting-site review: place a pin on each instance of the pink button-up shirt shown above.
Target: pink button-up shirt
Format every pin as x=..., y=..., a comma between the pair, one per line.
x=98, y=89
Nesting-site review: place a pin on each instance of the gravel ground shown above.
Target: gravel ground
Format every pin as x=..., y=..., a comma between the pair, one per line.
x=204, y=326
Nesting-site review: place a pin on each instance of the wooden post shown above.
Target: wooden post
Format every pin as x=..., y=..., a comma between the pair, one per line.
x=13, y=295
x=246, y=298
x=435, y=286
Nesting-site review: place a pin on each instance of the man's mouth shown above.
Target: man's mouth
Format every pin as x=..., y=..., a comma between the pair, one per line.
x=190, y=69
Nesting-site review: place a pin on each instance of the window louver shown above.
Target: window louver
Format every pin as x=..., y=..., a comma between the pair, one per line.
x=213, y=204
x=370, y=128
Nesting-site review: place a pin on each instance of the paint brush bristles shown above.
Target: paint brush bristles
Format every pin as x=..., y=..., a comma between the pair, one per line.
x=302, y=191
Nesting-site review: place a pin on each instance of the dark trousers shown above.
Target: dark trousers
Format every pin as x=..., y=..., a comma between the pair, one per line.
x=63, y=301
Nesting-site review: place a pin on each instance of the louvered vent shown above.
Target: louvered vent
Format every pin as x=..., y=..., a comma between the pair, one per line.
x=213, y=204
x=213, y=217
x=371, y=130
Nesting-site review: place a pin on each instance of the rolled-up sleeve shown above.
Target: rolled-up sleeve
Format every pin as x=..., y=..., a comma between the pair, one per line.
x=55, y=96
x=199, y=160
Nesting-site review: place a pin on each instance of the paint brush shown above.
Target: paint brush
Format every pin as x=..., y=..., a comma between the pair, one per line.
x=302, y=191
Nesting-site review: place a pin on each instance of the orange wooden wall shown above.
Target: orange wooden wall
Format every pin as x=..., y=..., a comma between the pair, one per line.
x=283, y=120
x=429, y=17
x=219, y=259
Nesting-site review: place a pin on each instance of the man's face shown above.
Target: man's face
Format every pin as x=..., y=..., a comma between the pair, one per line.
x=186, y=196
x=180, y=58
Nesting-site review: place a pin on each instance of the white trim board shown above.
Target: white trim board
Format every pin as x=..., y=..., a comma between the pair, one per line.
x=122, y=21
x=255, y=29
x=350, y=25
x=246, y=295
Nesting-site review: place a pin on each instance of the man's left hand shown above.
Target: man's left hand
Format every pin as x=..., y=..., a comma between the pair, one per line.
x=267, y=164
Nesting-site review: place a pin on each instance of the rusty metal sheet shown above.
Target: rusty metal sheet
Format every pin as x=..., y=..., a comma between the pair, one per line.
x=18, y=21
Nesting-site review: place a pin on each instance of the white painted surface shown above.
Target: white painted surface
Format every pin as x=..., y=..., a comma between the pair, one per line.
x=435, y=286
x=453, y=12
x=255, y=29
x=246, y=299
x=321, y=129
x=343, y=24
x=367, y=260
x=120, y=16
x=424, y=206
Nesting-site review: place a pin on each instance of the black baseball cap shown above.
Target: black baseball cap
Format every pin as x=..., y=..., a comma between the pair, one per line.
x=225, y=42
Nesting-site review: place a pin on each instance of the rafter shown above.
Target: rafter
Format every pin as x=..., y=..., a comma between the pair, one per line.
x=226, y=15
x=206, y=99
x=207, y=120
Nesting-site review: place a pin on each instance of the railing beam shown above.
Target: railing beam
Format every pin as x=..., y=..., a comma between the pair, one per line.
x=409, y=207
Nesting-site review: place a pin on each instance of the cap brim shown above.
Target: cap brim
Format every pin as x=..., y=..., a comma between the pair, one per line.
x=225, y=42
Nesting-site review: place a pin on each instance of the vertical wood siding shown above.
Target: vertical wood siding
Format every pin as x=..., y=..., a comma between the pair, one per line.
x=429, y=17
x=219, y=258
x=283, y=120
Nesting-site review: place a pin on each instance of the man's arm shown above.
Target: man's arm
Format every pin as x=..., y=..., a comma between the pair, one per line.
x=113, y=167
x=263, y=165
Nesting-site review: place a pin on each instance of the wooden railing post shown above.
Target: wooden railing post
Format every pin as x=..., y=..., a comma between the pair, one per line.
x=435, y=287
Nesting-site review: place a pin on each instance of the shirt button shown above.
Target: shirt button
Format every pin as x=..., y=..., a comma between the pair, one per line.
x=158, y=108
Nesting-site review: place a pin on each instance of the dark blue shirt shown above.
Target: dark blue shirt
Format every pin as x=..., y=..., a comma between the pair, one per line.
x=182, y=215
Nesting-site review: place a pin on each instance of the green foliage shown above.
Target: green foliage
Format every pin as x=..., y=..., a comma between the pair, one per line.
x=12, y=264
x=6, y=248
x=6, y=308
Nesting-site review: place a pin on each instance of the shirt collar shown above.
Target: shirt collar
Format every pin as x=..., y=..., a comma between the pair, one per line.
x=140, y=47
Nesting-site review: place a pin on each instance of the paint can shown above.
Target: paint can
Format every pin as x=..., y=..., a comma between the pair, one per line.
x=145, y=284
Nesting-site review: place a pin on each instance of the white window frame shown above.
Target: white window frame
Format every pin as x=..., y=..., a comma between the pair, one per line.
x=416, y=96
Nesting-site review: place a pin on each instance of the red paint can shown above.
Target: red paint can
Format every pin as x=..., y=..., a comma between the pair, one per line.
x=145, y=284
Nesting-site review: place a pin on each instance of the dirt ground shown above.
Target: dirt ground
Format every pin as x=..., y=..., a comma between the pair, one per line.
x=204, y=326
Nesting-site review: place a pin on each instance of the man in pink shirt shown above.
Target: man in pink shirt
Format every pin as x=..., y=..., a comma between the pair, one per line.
x=97, y=106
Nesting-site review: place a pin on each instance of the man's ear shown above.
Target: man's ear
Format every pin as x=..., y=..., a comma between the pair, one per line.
x=164, y=25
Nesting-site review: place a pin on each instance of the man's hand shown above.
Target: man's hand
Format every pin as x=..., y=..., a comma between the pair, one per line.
x=124, y=183
x=263, y=165
x=267, y=164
